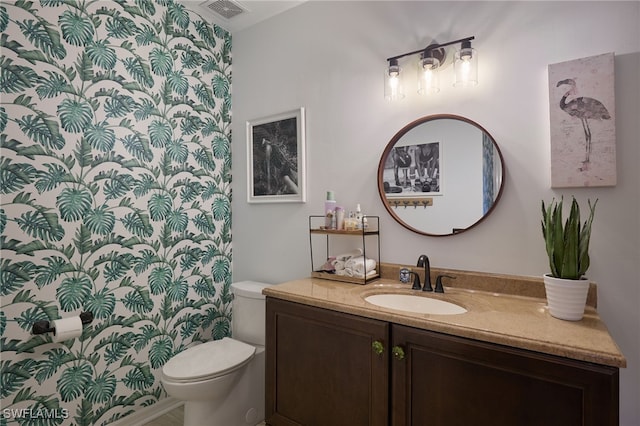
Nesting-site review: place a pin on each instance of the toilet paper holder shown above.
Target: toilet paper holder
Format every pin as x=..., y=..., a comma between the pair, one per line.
x=44, y=326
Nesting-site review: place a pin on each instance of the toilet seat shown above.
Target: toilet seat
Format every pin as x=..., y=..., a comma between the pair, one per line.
x=208, y=360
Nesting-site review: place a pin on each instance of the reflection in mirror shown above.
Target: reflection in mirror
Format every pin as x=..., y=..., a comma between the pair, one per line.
x=441, y=175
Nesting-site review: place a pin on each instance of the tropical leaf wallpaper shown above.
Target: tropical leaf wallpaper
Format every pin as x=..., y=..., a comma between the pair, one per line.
x=115, y=198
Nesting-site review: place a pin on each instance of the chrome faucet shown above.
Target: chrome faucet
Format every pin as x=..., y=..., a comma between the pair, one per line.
x=423, y=260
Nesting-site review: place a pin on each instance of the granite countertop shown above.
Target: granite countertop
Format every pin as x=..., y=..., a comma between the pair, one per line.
x=496, y=317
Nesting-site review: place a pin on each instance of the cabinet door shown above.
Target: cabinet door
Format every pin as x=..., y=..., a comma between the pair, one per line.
x=321, y=368
x=446, y=380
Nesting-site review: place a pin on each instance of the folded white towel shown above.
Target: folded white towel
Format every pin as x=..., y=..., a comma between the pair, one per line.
x=338, y=265
x=346, y=256
x=360, y=265
x=351, y=273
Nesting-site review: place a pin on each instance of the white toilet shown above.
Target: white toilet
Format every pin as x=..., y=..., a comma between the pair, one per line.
x=222, y=382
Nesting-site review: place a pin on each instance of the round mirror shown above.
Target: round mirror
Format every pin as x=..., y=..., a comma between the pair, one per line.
x=441, y=175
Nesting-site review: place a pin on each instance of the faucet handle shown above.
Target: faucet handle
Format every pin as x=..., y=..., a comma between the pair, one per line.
x=416, y=282
x=439, y=288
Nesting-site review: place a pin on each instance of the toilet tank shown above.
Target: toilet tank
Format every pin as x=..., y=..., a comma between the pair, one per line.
x=248, y=311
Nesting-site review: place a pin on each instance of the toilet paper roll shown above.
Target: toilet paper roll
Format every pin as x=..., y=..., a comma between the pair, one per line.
x=66, y=329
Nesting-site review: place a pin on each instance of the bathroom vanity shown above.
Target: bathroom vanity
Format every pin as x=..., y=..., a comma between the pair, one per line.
x=335, y=359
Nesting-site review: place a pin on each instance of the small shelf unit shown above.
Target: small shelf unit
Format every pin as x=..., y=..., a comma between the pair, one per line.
x=371, y=232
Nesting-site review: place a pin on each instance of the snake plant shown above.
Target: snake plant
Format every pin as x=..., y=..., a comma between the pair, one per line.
x=567, y=245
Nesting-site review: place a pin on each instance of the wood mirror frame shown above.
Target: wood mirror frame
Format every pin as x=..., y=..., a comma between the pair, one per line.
x=465, y=160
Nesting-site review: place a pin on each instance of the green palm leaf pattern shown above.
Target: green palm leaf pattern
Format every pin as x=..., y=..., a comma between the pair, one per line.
x=177, y=151
x=102, y=54
x=178, y=82
x=101, y=389
x=138, y=301
x=100, y=220
x=139, y=70
x=160, y=352
x=74, y=380
x=3, y=119
x=53, y=85
x=73, y=203
x=119, y=26
x=72, y=292
x=115, y=198
x=75, y=115
x=41, y=225
x=13, y=376
x=160, y=133
x=159, y=279
x=102, y=304
x=4, y=18
x=160, y=206
x=220, y=85
x=56, y=358
x=44, y=37
x=221, y=207
x=221, y=269
x=15, y=78
x=52, y=178
x=161, y=62
x=76, y=30
x=178, y=220
x=138, y=378
x=42, y=130
x=13, y=177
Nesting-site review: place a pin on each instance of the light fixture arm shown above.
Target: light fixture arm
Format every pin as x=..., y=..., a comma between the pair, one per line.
x=429, y=48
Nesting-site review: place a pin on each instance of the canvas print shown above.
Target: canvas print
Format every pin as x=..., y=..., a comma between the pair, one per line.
x=582, y=115
x=276, y=158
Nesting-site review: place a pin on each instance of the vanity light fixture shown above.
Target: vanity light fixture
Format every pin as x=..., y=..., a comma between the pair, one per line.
x=465, y=65
x=393, y=84
x=432, y=59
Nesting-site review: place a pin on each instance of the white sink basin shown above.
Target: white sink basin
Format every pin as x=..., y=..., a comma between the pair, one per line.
x=417, y=304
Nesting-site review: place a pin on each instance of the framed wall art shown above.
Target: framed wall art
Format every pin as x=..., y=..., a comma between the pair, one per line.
x=276, y=158
x=582, y=122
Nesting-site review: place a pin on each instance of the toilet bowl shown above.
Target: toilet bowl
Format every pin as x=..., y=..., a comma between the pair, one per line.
x=222, y=382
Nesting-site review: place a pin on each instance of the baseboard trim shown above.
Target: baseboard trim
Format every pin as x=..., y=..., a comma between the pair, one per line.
x=146, y=414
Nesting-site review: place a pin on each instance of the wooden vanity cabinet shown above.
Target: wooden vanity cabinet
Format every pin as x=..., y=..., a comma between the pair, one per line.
x=448, y=380
x=321, y=370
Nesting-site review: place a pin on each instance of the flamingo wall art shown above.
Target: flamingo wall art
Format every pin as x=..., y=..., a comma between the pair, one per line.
x=582, y=116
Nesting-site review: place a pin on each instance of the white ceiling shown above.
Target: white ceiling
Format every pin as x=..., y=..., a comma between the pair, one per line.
x=254, y=11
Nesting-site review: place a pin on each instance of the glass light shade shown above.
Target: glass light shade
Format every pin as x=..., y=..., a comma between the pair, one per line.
x=428, y=76
x=465, y=65
x=393, y=84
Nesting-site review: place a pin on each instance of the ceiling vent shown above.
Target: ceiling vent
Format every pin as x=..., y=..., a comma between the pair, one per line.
x=226, y=9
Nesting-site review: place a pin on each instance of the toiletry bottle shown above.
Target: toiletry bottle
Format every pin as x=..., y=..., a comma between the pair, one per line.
x=350, y=222
x=329, y=210
x=339, y=218
x=358, y=217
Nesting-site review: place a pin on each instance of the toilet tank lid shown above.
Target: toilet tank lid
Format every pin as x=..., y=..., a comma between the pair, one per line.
x=252, y=289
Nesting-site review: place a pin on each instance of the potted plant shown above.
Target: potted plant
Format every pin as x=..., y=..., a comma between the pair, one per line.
x=567, y=245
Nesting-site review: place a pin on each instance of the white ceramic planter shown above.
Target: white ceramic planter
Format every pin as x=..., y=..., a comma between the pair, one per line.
x=566, y=298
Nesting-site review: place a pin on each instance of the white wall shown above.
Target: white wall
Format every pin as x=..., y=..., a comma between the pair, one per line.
x=329, y=57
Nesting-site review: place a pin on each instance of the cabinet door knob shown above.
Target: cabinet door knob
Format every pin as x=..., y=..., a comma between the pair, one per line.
x=378, y=347
x=398, y=352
